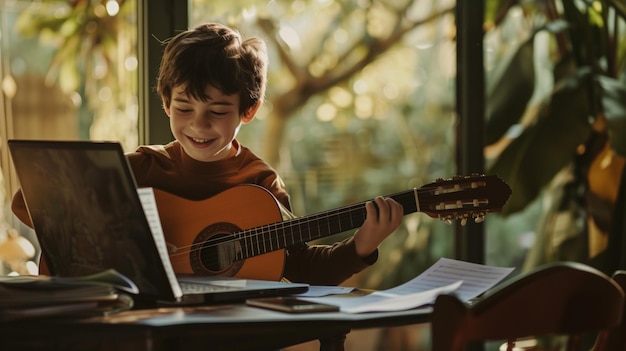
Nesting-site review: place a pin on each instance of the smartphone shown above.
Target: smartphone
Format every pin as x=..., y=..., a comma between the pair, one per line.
x=291, y=304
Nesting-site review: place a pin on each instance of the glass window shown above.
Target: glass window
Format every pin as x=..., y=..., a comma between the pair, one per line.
x=68, y=71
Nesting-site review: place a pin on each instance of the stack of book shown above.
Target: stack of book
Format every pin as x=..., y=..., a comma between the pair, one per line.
x=25, y=296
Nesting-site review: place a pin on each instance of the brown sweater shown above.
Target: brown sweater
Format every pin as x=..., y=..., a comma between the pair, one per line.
x=168, y=168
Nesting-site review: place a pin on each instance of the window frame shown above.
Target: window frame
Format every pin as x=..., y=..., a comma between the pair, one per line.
x=157, y=20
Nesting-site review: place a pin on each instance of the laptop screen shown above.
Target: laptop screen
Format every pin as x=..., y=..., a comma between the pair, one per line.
x=84, y=206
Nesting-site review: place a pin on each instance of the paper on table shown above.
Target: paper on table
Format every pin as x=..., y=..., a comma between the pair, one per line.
x=465, y=279
x=477, y=278
x=381, y=302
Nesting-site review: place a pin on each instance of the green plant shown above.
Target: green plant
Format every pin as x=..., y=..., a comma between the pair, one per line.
x=565, y=146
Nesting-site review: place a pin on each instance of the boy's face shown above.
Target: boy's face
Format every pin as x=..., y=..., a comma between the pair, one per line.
x=206, y=129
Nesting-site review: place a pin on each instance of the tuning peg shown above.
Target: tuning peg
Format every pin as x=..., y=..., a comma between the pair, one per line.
x=446, y=220
x=478, y=216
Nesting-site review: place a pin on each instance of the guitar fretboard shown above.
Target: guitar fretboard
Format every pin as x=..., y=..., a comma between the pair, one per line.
x=280, y=235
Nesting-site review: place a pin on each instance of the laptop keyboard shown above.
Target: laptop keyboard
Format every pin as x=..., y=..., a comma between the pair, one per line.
x=195, y=288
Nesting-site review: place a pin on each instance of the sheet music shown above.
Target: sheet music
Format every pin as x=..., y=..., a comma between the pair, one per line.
x=378, y=302
x=467, y=280
x=148, y=202
x=477, y=278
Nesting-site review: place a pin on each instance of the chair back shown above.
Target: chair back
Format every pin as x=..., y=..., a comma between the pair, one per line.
x=565, y=298
x=616, y=338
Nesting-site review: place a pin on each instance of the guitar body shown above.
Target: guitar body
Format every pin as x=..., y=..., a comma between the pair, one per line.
x=191, y=226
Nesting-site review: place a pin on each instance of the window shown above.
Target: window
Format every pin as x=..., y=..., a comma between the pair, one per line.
x=69, y=71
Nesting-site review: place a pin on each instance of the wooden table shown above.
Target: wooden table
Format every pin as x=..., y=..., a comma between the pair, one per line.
x=219, y=327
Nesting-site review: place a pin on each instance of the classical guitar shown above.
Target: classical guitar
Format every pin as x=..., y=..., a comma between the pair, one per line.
x=243, y=232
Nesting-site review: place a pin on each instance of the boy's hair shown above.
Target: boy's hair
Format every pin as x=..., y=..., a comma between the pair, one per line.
x=213, y=54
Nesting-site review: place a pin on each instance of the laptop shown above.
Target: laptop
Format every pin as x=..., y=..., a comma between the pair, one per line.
x=87, y=214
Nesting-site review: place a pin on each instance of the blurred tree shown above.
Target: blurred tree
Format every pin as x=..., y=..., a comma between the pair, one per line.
x=329, y=49
x=95, y=61
x=360, y=103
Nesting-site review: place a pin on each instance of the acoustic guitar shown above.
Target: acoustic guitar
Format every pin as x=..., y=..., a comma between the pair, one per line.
x=242, y=232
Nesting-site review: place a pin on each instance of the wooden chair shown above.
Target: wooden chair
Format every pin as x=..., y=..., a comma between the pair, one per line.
x=561, y=299
x=616, y=338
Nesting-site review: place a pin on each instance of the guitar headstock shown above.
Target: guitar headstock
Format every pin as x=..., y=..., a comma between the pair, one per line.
x=463, y=197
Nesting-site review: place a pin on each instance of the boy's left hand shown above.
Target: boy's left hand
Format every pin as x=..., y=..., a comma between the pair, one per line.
x=381, y=220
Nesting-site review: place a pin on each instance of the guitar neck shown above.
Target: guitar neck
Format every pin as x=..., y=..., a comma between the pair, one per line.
x=446, y=199
x=280, y=235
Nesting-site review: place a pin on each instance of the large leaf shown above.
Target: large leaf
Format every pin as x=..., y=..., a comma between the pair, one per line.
x=513, y=85
x=508, y=97
x=560, y=224
x=619, y=6
x=579, y=32
x=616, y=248
x=532, y=159
x=614, y=105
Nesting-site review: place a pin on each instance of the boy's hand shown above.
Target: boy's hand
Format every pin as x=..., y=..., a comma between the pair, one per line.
x=379, y=224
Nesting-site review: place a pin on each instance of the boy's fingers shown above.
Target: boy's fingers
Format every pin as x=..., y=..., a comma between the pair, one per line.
x=387, y=209
x=383, y=207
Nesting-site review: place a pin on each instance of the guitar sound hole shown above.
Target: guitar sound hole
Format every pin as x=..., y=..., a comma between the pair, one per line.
x=218, y=257
x=216, y=251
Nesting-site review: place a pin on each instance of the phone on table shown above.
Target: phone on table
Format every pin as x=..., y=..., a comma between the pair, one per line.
x=291, y=304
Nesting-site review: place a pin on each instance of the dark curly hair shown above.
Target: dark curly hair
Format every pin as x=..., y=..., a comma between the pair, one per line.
x=214, y=54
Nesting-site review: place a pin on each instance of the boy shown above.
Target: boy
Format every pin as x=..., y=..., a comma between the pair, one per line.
x=211, y=82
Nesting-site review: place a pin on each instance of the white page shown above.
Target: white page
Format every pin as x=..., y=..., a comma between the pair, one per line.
x=380, y=303
x=477, y=278
x=467, y=280
x=148, y=202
